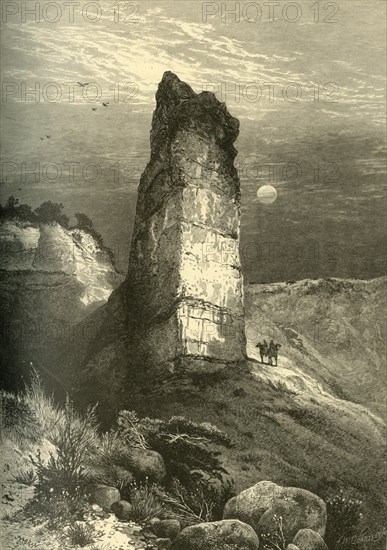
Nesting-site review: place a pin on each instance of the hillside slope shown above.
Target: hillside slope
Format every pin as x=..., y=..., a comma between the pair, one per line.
x=298, y=424
x=332, y=334
x=292, y=437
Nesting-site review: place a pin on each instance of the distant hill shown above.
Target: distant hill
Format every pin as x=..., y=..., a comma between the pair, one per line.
x=331, y=330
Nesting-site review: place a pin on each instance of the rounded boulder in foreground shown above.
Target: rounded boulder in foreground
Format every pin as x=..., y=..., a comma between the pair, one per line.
x=306, y=539
x=261, y=505
x=219, y=535
x=146, y=464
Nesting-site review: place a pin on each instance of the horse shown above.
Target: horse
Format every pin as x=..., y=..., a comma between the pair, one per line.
x=262, y=350
x=273, y=353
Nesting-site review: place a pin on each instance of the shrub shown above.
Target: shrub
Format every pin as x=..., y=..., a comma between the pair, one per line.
x=113, y=476
x=183, y=444
x=50, y=212
x=57, y=509
x=19, y=421
x=73, y=441
x=14, y=210
x=83, y=221
x=197, y=503
x=49, y=415
x=107, y=464
x=146, y=504
x=344, y=515
x=60, y=480
x=133, y=429
x=80, y=534
x=197, y=484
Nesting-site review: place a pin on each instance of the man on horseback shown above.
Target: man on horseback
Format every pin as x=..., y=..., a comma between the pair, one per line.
x=273, y=352
x=263, y=349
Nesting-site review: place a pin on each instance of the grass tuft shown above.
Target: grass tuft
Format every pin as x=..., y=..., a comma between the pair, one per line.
x=80, y=534
x=145, y=503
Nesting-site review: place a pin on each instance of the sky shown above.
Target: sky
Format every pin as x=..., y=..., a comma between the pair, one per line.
x=305, y=79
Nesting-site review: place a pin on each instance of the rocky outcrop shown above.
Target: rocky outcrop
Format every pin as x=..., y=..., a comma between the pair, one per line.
x=261, y=505
x=219, y=535
x=184, y=284
x=50, y=279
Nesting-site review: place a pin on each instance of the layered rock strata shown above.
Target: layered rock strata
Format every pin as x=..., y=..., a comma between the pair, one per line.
x=51, y=278
x=184, y=284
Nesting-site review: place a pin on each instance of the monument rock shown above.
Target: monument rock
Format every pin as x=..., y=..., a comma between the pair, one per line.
x=184, y=282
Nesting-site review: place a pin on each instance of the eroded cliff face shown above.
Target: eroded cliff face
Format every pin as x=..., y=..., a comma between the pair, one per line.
x=50, y=279
x=184, y=284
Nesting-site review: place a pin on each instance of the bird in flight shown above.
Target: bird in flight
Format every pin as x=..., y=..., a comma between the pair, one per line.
x=105, y=104
x=48, y=137
x=42, y=138
x=94, y=108
x=82, y=85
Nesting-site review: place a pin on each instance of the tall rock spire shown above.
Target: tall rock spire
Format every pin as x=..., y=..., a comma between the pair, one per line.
x=184, y=284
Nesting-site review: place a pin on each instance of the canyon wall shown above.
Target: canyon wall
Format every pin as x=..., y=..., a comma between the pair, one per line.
x=51, y=278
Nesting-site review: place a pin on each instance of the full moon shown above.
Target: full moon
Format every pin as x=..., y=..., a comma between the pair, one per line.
x=266, y=194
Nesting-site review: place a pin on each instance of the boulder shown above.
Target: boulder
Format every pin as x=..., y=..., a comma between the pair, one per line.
x=261, y=505
x=152, y=521
x=219, y=535
x=251, y=504
x=163, y=544
x=146, y=464
x=295, y=515
x=306, y=539
x=166, y=528
x=122, y=509
x=103, y=495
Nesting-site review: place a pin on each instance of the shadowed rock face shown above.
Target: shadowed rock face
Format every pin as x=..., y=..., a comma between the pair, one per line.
x=51, y=278
x=184, y=284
